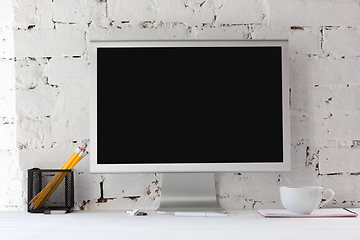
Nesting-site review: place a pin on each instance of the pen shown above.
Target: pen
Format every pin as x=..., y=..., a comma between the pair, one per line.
x=200, y=214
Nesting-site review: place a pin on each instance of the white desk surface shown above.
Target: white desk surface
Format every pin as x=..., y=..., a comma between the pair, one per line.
x=246, y=224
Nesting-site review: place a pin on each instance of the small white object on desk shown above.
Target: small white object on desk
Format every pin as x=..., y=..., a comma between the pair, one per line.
x=136, y=212
x=132, y=212
x=48, y=211
x=200, y=214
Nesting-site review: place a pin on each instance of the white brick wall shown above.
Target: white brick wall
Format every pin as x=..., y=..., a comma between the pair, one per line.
x=50, y=42
x=11, y=188
x=44, y=56
x=342, y=41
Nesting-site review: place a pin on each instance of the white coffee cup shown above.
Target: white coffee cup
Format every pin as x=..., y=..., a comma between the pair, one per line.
x=303, y=200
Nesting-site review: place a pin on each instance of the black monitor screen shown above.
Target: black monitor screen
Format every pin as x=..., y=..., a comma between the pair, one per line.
x=189, y=105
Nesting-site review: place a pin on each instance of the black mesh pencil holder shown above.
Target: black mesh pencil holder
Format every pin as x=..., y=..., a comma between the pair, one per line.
x=50, y=190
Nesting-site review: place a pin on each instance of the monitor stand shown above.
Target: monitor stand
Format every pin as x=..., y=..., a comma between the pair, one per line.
x=188, y=192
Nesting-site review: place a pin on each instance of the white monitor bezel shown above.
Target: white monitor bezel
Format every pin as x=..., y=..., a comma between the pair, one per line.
x=201, y=167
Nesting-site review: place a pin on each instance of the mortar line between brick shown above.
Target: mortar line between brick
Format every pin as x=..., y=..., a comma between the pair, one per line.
x=322, y=38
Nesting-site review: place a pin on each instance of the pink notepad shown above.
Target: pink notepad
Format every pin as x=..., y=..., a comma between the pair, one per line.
x=319, y=213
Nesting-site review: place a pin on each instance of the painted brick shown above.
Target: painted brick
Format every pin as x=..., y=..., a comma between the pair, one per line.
x=143, y=31
x=236, y=12
x=339, y=159
x=78, y=11
x=314, y=13
x=25, y=13
x=165, y=11
x=6, y=43
x=65, y=40
x=44, y=13
x=342, y=42
x=34, y=133
x=11, y=188
x=317, y=71
x=30, y=73
x=231, y=32
x=7, y=69
x=67, y=71
x=341, y=125
x=262, y=31
x=7, y=106
x=132, y=190
x=194, y=12
x=303, y=42
x=6, y=13
x=9, y=131
x=326, y=98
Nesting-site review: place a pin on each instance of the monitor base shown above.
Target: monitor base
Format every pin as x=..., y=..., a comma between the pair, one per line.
x=188, y=192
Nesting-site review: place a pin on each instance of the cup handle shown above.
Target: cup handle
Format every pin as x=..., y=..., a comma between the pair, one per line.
x=327, y=200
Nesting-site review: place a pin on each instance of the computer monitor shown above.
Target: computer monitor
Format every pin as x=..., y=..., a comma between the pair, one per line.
x=189, y=109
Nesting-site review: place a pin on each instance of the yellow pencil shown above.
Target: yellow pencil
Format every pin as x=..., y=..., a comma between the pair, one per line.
x=72, y=157
x=81, y=156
